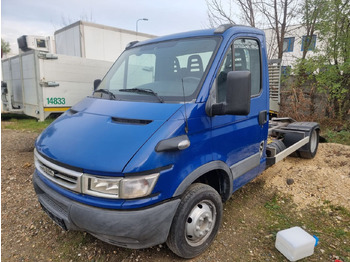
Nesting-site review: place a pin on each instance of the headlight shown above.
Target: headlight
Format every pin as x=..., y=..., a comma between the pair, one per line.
x=124, y=188
x=101, y=186
x=137, y=186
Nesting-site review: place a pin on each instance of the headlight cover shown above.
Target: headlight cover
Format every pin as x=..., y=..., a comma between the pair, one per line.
x=119, y=188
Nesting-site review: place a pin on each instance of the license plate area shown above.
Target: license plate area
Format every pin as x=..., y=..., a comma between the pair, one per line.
x=57, y=220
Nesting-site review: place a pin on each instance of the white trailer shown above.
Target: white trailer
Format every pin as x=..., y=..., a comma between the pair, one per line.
x=95, y=41
x=37, y=83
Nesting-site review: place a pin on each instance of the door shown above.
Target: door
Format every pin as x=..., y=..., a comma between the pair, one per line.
x=238, y=140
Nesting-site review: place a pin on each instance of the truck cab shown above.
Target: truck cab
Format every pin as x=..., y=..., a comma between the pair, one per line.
x=173, y=129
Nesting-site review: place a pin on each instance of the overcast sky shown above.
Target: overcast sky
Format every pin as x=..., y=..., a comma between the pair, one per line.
x=44, y=17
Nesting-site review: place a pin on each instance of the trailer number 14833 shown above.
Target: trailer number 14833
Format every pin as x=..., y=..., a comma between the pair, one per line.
x=56, y=101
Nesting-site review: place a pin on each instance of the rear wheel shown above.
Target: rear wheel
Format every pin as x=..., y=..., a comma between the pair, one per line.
x=312, y=146
x=196, y=222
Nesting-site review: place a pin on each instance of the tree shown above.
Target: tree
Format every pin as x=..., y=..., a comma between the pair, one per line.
x=330, y=68
x=217, y=14
x=277, y=14
x=334, y=29
x=249, y=11
x=5, y=47
x=311, y=10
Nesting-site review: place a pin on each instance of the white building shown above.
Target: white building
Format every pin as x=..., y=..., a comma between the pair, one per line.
x=293, y=45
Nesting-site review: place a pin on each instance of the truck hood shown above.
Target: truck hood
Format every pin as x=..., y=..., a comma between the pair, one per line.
x=102, y=135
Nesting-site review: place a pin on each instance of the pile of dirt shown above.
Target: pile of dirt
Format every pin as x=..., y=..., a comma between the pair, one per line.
x=315, y=181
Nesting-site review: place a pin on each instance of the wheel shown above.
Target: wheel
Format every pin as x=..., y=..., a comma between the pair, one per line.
x=312, y=146
x=278, y=144
x=196, y=222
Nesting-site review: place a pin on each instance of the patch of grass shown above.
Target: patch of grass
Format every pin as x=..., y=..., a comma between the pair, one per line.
x=335, y=131
x=18, y=122
x=272, y=204
x=340, y=137
x=329, y=223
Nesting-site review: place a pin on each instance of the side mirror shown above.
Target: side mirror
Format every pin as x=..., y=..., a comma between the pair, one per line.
x=238, y=93
x=97, y=82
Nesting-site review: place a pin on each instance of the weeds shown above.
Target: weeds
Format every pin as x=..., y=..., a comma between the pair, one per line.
x=19, y=122
x=329, y=223
x=341, y=137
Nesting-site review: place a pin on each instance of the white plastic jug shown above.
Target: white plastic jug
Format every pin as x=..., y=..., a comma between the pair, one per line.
x=295, y=243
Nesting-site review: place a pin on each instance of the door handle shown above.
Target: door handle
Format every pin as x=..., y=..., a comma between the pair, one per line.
x=262, y=117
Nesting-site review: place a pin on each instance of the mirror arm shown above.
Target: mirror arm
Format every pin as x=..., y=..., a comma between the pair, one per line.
x=218, y=109
x=97, y=82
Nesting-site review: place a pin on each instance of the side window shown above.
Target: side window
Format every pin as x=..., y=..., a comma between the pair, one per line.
x=288, y=44
x=221, y=79
x=246, y=56
x=309, y=41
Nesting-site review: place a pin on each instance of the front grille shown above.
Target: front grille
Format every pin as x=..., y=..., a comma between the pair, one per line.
x=62, y=176
x=58, y=175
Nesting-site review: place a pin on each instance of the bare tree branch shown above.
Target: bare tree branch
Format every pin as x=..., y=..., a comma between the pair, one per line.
x=217, y=14
x=278, y=14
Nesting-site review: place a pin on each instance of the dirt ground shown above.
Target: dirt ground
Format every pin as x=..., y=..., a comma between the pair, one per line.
x=29, y=235
x=324, y=178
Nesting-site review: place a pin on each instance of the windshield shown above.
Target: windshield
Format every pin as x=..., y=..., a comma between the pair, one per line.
x=159, y=72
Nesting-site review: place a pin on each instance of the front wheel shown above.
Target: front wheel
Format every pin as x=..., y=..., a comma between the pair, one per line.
x=196, y=222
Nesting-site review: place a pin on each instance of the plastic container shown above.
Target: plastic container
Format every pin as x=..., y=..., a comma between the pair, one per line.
x=295, y=243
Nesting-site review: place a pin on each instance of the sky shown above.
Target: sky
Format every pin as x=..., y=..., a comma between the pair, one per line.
x=44, y=17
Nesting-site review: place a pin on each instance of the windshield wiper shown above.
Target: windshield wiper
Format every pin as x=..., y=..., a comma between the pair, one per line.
x=144, y=91
x=106, y=91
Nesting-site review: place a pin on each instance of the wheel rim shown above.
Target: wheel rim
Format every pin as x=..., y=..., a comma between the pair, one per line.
x=200, y=223
x=313, y=141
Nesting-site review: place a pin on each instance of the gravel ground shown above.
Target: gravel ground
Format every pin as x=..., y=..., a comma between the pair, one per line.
x=29, y=235
x=324, y=178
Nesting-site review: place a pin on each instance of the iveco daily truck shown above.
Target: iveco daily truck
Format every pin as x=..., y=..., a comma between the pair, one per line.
x=176, y=126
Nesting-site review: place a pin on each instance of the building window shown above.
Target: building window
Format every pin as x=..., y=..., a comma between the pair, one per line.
x=309, y=41
x=288, y=44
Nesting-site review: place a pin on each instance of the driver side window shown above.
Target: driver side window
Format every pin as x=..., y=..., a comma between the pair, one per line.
x=246, y=56
x=221, y=79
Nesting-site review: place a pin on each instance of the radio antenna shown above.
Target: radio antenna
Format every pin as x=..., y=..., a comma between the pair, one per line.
x=183, y=94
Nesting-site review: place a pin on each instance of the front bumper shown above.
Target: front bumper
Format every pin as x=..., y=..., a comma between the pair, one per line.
x=140, y=228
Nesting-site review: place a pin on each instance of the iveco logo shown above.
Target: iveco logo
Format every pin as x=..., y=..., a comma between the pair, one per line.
x=47, y=170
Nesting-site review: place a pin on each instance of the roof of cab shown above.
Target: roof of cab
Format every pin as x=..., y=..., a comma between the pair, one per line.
x=222, y=30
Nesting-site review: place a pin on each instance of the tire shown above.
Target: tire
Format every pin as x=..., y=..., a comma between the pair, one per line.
x=196, y=222
x=278, y=144
x=312, y=146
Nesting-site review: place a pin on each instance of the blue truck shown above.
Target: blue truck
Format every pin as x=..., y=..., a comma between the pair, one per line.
x=176, y=126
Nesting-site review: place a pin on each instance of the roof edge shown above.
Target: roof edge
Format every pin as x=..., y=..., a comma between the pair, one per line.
x=106, y=27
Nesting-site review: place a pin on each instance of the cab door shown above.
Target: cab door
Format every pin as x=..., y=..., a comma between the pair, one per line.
x=238, y=140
